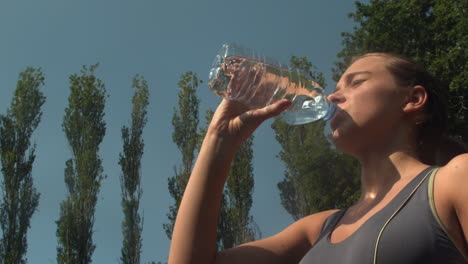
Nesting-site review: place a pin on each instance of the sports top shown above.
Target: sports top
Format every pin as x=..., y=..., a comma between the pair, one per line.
x=407, y=230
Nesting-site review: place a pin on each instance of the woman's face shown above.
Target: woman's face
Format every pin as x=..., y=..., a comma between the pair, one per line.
x=370, y=104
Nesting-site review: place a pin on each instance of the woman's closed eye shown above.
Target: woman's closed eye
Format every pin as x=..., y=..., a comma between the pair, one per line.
x=357, y=82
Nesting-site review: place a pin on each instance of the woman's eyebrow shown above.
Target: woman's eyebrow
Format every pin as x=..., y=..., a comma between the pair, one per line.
x=351, y=75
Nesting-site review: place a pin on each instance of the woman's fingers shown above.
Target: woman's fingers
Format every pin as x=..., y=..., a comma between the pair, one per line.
x=250, y=120
x=270, y=111
x=234, y=121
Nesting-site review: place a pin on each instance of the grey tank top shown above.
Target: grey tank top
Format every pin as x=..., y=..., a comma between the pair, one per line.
x=407, y=230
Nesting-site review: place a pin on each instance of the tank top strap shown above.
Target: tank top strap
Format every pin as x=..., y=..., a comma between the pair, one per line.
x=330, y=223
x=404, y=231
x=405, y=195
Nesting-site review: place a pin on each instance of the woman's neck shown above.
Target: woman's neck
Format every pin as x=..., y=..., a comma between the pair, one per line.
x=385, y=165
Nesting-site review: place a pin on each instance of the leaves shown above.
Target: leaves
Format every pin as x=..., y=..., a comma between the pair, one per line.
x=317, y=177
x=84, y=127
x=186, y=137
x=19, y=197
x=130, y=179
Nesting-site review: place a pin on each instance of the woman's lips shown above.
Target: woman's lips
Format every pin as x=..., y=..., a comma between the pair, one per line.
x=336, y=118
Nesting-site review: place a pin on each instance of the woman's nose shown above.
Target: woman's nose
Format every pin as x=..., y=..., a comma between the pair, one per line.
x=335, y=97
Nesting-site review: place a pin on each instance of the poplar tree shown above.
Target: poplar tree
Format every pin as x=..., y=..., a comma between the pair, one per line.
x=84, y=127
x=317, y=176
x=185, y=136
x=19, y=197
x=130, y=179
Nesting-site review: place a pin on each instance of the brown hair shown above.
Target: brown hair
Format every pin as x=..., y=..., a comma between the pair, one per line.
x=431, y=137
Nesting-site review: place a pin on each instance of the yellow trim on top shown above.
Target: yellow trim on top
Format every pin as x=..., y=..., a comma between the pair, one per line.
x=430, y=190
x=395, y=213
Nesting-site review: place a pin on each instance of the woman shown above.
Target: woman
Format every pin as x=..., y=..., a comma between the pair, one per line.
x=409, y=211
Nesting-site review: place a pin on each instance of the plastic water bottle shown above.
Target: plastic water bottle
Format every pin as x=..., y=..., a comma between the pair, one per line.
x=256, y=81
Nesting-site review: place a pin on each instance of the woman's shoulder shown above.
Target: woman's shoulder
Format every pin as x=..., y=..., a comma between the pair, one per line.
x=456, y=168
x=452, y=181
x=312, y=224
x=290, y=245
x=451, y=199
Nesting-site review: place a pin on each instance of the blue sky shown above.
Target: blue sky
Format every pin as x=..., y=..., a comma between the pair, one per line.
x=159, y=40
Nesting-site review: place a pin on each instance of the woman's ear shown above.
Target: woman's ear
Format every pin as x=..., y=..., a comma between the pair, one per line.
x=416, y=99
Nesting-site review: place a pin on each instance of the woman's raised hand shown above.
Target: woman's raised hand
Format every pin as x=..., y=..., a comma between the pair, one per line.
x=234, y=122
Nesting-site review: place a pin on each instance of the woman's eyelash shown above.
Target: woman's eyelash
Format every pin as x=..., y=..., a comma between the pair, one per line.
x=356, y=82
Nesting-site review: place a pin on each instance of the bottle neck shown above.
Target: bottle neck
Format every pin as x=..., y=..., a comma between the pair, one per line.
x=331, y=111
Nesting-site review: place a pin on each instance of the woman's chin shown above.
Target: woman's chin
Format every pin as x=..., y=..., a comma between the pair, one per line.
x=336, y=136
x=341, y=139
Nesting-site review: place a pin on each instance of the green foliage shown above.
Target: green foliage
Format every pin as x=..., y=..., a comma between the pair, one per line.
x=431, y=32
x=84, y=127
x=304, y=65
x=317, y=176
x=186, y=137
x=185, y=121
x=19, y=197
x=130, y=179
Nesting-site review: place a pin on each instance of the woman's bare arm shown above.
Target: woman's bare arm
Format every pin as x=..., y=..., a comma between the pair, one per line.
x=194, y=235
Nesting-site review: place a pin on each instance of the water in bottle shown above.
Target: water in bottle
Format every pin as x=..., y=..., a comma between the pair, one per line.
x=256, y=81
